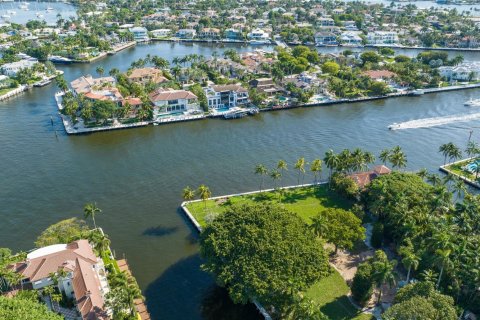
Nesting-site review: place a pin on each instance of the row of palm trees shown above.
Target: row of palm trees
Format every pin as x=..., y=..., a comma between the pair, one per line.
x=203, y=192
x=345, y=162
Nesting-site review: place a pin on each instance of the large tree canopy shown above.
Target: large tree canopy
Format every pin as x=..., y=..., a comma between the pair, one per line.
x=14, y=309
x=421, y=301
x=262, y=252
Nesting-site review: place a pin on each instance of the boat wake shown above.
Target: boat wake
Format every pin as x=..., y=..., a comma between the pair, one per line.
x=433, y=122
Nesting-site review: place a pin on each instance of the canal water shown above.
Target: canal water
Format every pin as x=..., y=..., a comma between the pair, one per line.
x=136, y=176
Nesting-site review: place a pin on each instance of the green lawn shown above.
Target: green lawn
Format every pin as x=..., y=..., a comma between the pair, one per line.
x=330, y=293
x=6, y=90
x=306, y=202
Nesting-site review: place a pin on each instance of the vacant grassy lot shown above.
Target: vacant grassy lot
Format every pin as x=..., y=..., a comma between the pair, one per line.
x=306, y=202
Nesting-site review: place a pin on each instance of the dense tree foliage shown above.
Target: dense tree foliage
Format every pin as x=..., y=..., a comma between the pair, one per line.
x=421, y=301
x=64, y=231
x=25, y=309
x=442, y=235
x=262, y=252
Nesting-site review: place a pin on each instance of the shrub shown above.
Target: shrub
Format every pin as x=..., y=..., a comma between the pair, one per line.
x=362, y=284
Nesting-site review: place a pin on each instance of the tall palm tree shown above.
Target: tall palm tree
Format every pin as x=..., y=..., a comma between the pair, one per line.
x=275, y=175
x=331, y=161
x=459, y=188
x=204, y=193
x=369, y=158
x=261, y=170
x=384, y=156
x=398, y=158
x=472, y=149
x=443, y=258
x=300, y=166
x=91, y=210
x=282, y=166
x=316, y=168
x=454, y=153
x=188, y=194
x=422, y=173
x=383, y=272
x=409, y=259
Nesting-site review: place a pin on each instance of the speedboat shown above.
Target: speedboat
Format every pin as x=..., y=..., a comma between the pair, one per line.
x=472, y=103
x=394, y=126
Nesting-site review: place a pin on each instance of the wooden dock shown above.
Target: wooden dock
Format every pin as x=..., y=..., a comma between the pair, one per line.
x=139, y=303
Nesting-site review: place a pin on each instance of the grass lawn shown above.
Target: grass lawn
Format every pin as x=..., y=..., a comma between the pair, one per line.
x=306, y=202
x=6, y=90
x=331, y=294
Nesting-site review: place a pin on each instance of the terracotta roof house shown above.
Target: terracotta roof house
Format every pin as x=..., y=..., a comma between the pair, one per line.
x=169, y=101
x=85, y=84
x=146, y=75
x=379, y=74
x=85, y=277
x=362, y=179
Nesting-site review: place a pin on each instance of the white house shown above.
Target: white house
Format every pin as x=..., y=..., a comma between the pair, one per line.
x=170, y=101
x=258, y=35
x=140, y=34
x=186, y=33
x=325, y=39
x=226, y=96
x=160, y=33
x=11, y=69
x=351, y=38
x=382, y=37
x=468, y=71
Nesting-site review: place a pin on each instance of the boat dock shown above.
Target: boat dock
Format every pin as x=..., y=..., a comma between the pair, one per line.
x=139, y=303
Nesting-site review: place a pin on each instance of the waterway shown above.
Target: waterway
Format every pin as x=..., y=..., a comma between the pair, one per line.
x=16, y=12
x=136, y=176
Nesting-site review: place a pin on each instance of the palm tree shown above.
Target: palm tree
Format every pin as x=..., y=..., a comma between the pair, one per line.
x=90, y=210
x=100, y=70
x=434, y=179
x=369, y=158
x=204, y=193
x=422, y=173
x=459, y=188
x=383, y=271
x=261, y=170
x=443, y=258
x=275, y=175
x=409, y=259
x=398, y=158
x=300, y=166
x=188, y=194
x=316, y=168
x=331, y=161
x=445, y=150
x=454, y=153
x=282, y=166
x=384, y=156
x=472, y=149
x=319, y=225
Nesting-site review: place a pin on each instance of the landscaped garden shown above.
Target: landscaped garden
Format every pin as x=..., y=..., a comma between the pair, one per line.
x=459, y=168
x=330, y=293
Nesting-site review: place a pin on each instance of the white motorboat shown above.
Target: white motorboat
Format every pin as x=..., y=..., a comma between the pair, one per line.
x=394, y=126
x=472, y=103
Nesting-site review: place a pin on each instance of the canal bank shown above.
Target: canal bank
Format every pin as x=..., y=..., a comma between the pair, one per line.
x=136, y=176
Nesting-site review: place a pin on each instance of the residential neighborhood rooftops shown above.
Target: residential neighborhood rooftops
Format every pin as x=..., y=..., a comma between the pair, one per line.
x=85, y=83
x=229, y=87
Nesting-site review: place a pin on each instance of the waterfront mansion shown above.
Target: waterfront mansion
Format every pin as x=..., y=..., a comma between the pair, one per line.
x=170, y=101
x=80, y=274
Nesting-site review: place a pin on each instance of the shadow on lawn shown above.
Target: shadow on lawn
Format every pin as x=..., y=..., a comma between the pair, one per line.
x=339, y=309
